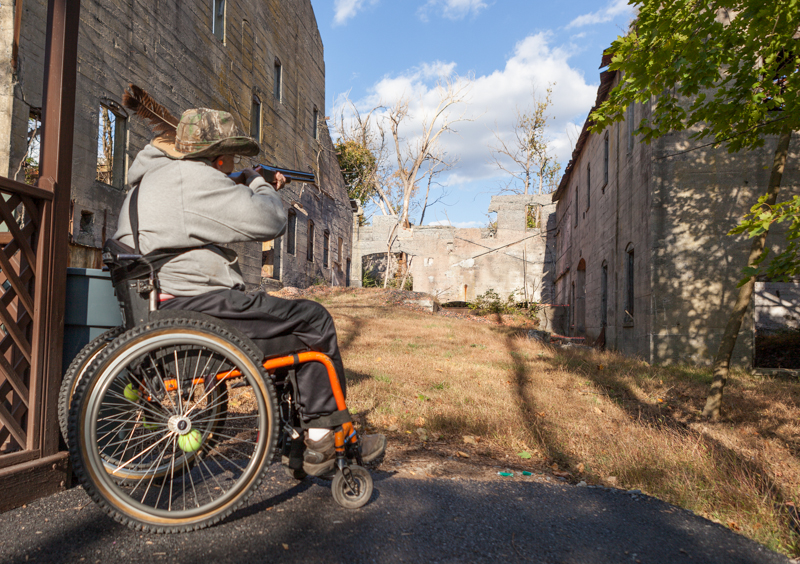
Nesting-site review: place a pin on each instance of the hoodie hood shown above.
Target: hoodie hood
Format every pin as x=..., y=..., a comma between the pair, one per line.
x=147, y=160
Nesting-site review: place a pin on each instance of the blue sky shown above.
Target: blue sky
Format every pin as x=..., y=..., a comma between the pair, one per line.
x=377, y=51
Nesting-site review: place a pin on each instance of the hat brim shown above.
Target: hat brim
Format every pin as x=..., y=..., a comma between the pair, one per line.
x=242, y=146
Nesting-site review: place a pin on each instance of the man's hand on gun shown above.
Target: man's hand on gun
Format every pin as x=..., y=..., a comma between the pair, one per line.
x=277, y=180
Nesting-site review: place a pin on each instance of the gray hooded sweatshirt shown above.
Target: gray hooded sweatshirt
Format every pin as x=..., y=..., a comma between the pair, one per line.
x=190, y=204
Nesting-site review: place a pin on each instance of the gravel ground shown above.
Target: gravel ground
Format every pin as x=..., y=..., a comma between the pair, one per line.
x=519, y=519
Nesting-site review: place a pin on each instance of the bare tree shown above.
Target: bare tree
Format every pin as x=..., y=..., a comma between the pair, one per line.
x=421, y=155
x=526, y=157
x=435, y=168
x=363, y=156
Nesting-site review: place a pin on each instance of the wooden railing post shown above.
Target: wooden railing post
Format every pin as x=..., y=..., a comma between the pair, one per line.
x=58, y=116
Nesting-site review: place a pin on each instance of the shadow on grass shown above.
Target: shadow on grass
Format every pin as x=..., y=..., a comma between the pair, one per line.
x=681, y=407
x=521, y=380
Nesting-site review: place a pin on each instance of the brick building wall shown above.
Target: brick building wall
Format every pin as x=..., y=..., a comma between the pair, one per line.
x=211, y=53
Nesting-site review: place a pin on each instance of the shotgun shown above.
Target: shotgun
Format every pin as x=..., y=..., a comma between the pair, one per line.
x=268, y=172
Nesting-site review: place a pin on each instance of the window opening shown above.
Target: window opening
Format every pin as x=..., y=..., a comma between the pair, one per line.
x=588, y=185
x=111, y=148
x=630, y=118
x=218, y=20
x=255, y=119
x=532, y=216
x=87, y=223
x=605, y=162
x=315, y=125
x=291, y=230
x=268, y=258
x=604, y=295
x=278, y=81
x=572, y=309
x=580, y=299
x=30, y=165
x=326, y=241
x=576, y=205
x=310, y=249
x=629, y=287
x=347, y=274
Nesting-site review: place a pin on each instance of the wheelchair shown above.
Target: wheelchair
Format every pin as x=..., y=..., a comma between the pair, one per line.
x=172, y=419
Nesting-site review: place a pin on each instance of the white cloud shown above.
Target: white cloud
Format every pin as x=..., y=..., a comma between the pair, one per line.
x=493, y=98
x=346, y=9
x=614, y=9
x=452, y=9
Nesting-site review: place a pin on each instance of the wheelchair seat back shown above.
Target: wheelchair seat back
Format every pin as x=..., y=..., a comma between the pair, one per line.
x=132, y=280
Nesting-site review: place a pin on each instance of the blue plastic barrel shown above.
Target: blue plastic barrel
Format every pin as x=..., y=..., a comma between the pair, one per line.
x=91, y=310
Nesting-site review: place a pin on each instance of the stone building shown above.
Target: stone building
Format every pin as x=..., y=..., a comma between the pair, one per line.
x=261, y=60
x=643, y=255
x=515, y=256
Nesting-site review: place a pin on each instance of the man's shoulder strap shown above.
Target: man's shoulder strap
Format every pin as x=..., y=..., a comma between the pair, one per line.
x=133, y=215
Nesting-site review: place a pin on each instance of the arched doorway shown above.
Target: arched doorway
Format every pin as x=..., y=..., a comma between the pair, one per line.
x=580, y=300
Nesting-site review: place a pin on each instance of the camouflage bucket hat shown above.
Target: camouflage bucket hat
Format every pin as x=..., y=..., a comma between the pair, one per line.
x=204, y=133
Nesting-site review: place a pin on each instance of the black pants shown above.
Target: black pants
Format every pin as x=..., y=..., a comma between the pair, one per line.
x=273, y=323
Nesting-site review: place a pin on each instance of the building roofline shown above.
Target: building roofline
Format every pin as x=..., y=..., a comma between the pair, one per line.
x=606, y=81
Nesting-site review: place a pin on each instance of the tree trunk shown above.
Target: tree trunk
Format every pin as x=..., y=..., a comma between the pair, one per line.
x=722, y=361
x=405, y=276
x=389, y=244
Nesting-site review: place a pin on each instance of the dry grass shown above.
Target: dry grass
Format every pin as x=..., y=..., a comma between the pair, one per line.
x=599, y=416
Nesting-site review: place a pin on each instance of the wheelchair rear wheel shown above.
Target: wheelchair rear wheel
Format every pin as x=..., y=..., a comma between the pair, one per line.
x=153, y=436
x=77, y=369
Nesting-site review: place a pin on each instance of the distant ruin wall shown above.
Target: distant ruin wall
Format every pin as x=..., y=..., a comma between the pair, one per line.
x=460, y=264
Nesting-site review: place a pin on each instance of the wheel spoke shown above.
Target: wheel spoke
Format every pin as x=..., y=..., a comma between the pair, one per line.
x=136, y=445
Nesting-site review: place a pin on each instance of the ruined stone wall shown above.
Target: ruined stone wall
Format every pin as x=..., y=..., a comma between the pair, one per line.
x=674, y=210
x=698, y=197
x=460, y=264
x=169, y=49
x=610, y=222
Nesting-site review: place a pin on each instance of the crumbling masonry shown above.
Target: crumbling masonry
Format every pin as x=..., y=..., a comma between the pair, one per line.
x=261, y=60
x=516, y=256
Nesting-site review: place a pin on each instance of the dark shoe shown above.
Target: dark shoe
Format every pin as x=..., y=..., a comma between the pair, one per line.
x=373, y=447
x=320, y=456
x=293, y=461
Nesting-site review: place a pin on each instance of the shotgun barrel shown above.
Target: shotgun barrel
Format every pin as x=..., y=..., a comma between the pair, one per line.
x=268, y=172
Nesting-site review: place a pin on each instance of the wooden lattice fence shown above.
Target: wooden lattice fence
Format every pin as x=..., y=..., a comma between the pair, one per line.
x=34, y=222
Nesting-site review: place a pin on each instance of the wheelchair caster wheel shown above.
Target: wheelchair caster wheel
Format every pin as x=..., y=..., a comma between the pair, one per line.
x=355, y=495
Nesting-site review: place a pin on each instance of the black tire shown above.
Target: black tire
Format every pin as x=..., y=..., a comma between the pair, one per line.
x=76, y=370
x=352, y=499
x=152, y=483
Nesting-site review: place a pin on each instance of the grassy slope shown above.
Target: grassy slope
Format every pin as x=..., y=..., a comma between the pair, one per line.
x=601, y=417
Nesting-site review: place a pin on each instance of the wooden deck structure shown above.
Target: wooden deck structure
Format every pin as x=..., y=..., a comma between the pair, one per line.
x=33, y=271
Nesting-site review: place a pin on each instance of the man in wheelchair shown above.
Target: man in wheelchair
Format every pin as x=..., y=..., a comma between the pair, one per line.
x=182, y=198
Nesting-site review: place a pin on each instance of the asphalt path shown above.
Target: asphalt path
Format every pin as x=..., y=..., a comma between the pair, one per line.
x=407, y=520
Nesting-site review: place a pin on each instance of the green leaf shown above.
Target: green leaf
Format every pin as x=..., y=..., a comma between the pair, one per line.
x=524, y=454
